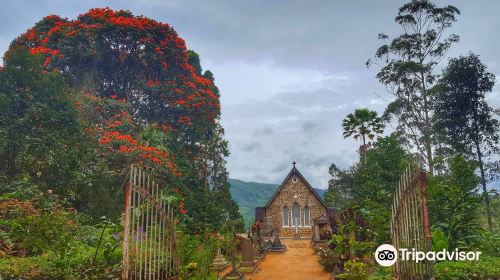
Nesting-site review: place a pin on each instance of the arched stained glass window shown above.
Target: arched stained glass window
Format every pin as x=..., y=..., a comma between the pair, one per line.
x=286, y=217
x=307, y=216
x=296, y=215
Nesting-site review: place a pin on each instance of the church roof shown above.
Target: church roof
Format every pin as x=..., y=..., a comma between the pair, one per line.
x=296, y=172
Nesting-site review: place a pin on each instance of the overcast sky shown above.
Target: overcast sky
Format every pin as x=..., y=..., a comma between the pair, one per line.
x=288, y=71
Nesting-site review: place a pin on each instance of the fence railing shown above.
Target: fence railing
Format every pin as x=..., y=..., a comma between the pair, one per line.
x=149, y=250
x=410, y=224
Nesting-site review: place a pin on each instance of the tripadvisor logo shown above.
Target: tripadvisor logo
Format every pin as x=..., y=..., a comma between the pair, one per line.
x=387, y=255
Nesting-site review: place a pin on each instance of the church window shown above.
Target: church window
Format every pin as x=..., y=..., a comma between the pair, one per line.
x=307, y=217
x=286, y=218
x=296, y=214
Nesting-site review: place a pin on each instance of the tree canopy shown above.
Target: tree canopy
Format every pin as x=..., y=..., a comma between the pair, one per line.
x=136, y=95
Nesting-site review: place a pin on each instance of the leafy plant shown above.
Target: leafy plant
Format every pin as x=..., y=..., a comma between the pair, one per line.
x=485, y=242
x=329, y=260
x=381, y=273
x=354, y=270
x=487, y=268
x=439, y=240
x=453, y=202
x=196, y=255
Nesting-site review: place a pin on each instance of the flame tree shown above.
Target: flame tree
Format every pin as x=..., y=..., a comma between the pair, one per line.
x=140, y=94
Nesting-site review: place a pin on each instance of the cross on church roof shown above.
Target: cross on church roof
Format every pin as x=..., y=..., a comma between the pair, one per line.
x=294, y=163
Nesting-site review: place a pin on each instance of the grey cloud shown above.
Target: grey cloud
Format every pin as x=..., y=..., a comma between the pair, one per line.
x=306, y=60
x=252, y=146
x=311, y=129
x=263, y=131
x=282, y=166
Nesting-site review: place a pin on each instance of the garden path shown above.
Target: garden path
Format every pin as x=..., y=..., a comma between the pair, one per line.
x=298, y=263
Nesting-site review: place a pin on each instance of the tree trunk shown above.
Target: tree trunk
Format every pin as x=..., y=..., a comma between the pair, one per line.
x=428, y=148
x=485, y=191
x=364, y=148
x=427, y=128
x=481, y=169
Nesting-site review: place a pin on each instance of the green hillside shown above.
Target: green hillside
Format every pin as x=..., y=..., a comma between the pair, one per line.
x=249, y=195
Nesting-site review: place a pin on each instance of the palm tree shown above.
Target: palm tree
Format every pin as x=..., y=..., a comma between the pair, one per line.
x=364, y=123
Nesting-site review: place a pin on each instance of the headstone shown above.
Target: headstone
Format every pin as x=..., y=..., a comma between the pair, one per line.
x=247, y=253
x=276, y=245
x=219, y=262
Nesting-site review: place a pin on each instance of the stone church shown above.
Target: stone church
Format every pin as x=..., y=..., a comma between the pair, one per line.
x=293, y=206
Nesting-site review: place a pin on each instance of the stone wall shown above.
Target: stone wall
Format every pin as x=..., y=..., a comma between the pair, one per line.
x=295, y=191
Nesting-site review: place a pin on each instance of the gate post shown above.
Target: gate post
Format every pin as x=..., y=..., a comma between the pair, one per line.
x=126, y=233
x=422, y=182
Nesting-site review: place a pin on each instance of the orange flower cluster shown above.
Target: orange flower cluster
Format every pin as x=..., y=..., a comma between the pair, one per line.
x=44, y=50
x=109, y=136
x=128, y=145
x=185, y=120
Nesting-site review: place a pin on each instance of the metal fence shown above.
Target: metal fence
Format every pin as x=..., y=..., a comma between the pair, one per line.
x=410, y=224
x=149, y=250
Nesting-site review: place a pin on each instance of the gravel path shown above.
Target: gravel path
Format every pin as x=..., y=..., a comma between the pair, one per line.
x=298, y=263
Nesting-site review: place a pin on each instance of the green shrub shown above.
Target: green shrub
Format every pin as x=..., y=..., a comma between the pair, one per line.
x=485, y=269
x=354, y=270
x=196, y=255
x=328, y=259
x=33, y=268
x=42, y=240
x=47, y=267
x=381, y=273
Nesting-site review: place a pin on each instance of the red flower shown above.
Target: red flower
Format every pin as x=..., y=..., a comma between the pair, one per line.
x=153, y=83
x=124, y=149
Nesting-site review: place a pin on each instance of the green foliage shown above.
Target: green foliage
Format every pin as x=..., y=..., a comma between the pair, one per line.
x=453, y=202
x=75, y=112
x=205, y=214
x=376, y=180
x=363, y=123
x=381, y=273
x=484, y=241
x=463, y=118
x=495, y=213
x=45, y=240
x=194, y=60
x=410, y=60
x=340, y=186
x=196, y=255
x=487, y=268
x=439, y=240
x=354, y=270
x=328, y=259
x=370, y=185
x=350, y=240
x=38, y=126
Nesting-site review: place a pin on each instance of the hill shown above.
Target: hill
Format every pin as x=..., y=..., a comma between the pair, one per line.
x=249, y=195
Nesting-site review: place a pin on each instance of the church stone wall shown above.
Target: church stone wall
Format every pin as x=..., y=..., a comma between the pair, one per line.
x=290, y=193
